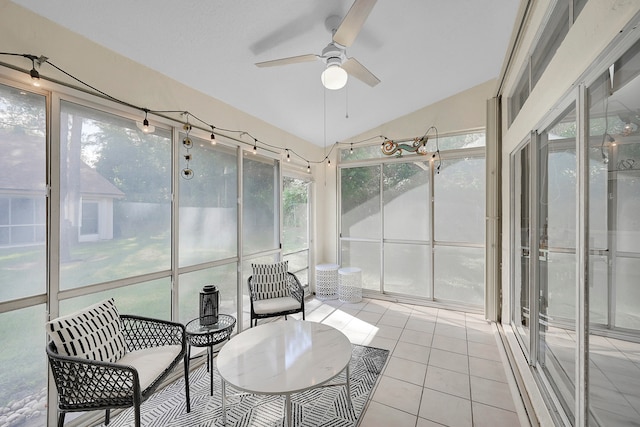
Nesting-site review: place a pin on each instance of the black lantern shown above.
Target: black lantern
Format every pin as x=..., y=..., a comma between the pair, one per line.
x=209, y=302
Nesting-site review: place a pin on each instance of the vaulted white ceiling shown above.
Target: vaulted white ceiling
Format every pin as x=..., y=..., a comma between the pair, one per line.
x=421, y=50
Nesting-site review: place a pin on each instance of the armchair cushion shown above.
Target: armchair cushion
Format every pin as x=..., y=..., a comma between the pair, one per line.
x=270, y=280
x=150, y=362
x=93, y=333
x=275, y=305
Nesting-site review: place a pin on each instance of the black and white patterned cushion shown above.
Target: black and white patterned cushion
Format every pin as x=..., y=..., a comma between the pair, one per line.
x=270, y=280
x=93, y=333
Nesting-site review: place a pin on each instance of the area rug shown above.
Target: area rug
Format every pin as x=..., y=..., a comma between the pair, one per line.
x=323, y=406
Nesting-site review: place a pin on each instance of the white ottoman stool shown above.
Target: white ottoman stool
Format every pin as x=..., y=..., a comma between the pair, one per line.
x=327, y=281
x=350, y=284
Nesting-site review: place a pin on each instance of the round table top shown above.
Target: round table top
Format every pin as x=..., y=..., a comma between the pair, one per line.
x=284, y=357
x=200, y=335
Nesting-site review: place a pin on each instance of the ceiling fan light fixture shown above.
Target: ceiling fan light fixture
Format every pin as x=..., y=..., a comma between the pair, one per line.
x=334, y=77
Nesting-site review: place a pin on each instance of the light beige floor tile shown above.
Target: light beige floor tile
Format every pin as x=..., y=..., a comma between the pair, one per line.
x=385, y=343
x=398, y=394
x=426, y=313
x=338, y=319
x=484, y=351
x=319, y=314
x=385, y=331
x=445, y=409
x=449, y=360
x=406, y=370
x=427, y=423
x=447, y=381
x=482, y=337
x=421, y=325
x=400, y=308
x=377, y=306
x=451, y=331
x=414, y=352
x=489, y=416
x=449, y=344
x=416, y=337
x=485, y=368
x=450, y=314
x=390, y=319
x=493, y=393
x=355, y=337
x=352, y=311
x=360, y=326
x=369, y=316
x=379, y=415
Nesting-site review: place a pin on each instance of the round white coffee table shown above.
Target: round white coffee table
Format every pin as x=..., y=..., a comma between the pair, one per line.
x=283, y=357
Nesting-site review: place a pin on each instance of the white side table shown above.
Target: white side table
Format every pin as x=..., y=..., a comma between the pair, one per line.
x=327, y=281
x=350, y=284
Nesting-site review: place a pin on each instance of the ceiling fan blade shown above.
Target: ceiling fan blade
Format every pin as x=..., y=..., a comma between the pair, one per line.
x=287, y=61
x=360, y=72
x=353, y=21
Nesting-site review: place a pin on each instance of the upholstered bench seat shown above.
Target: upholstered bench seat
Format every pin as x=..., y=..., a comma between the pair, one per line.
x=275, y=305
x=103, y=360
x=150, y=362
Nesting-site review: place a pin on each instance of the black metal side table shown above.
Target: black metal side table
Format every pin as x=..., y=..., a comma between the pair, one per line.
x=200, y=335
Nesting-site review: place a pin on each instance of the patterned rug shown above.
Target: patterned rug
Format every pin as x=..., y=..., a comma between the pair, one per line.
x=323, y=406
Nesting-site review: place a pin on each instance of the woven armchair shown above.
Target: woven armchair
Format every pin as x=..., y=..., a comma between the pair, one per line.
x=280, y=306
x=88, y=385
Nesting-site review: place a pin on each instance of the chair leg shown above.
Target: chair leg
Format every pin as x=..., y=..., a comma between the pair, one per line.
x=61, y=419
x=186, y=379
x=137, y=415
x=107, y=417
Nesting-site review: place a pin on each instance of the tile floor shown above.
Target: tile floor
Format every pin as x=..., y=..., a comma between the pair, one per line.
x=445, y=367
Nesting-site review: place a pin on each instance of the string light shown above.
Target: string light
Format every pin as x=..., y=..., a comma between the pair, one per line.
x=145, y=122
x=35, y=75
x=187, y=143
x=187, y=173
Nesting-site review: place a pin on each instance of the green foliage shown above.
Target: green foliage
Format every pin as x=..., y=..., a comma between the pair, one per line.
x=22, y=112
x=138, y=164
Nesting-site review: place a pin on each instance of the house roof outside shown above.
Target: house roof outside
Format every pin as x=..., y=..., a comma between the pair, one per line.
x=22, y=168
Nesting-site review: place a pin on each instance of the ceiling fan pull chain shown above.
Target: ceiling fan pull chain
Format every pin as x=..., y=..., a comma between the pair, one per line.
x=346, y=94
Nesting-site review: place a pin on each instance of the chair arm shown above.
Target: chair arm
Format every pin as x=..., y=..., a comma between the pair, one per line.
x=295, y=287
x=90, y=384
x=144, y=332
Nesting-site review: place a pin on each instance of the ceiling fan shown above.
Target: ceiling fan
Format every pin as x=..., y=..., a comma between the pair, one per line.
x=339, y=66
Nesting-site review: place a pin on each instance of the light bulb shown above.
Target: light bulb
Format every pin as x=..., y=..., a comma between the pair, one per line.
x=35, y=76
x=334, y=77
x=288, y=156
